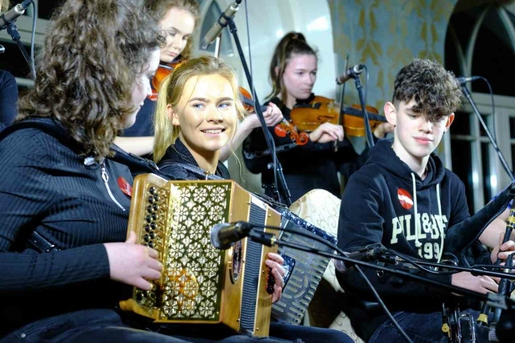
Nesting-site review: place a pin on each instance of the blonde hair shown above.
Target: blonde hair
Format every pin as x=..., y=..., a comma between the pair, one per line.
x=4, y=5
x=172, y=89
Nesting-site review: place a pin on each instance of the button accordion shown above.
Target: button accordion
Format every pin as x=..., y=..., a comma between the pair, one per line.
x=200, y=284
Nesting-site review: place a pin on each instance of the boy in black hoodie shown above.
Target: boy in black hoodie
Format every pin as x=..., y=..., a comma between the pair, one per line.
x=403, y=181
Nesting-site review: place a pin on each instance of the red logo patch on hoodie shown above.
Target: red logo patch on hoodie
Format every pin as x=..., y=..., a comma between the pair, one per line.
x=125, y=186
x=405, y=198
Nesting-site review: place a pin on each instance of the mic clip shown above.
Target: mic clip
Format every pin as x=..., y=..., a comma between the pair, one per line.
x=262, y=237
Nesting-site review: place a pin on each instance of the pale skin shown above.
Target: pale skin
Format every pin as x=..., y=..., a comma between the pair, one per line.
x=179, y=24
x=137, y=265
x=207, y=118
x=415, y=139
x=496, y=229
x=299, y=78
x=272, y=115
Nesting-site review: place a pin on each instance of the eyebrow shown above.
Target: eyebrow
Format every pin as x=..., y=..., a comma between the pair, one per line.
x=206, y=100
x=410, y=110
x=176, y=30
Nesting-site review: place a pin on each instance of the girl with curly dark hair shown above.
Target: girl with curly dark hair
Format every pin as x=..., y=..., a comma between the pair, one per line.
x=65, y=258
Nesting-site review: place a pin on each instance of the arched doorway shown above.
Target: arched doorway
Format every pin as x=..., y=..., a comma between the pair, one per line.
x=480, y=41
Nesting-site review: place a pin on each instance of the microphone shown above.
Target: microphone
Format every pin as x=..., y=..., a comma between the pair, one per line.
x=351, y=73
x=461, y=236
x=224, y=235
x=463, y=79
x=370, y=252
x=13, y=14
x=217, y=28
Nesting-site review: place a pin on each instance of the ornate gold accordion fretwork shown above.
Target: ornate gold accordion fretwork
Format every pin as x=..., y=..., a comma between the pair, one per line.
x=200, y=284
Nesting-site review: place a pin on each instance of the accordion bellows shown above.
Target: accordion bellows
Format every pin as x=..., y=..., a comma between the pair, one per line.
x=200, y=284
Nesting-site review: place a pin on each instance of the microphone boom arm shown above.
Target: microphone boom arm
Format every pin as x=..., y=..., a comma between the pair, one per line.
x=467, y=94
x=281, y=189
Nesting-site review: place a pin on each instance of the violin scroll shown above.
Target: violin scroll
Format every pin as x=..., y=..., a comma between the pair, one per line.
x=162, y=72
x=285, y=128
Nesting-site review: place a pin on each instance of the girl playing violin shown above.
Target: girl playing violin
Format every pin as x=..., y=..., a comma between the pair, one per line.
x=198, y=111
x=293, y=72
x=178, y=20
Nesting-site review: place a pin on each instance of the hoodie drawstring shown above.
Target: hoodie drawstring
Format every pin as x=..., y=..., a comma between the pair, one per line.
x=440, y=226
x=417, y=223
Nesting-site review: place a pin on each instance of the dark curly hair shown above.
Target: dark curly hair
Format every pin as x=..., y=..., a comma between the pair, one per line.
x=436, y=91
x=293, y=43
x=93, y=53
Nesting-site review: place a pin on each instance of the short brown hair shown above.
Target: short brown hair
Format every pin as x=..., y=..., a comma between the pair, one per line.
x=436, y=91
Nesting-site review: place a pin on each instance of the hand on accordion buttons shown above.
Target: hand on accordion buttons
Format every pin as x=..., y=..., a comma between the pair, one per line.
x=275, y=262
x=133, y=264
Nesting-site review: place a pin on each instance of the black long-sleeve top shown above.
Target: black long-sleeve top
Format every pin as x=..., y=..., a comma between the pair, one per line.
x=306, y=167
x=75, y=204
x=8, y=98
x=177, y=158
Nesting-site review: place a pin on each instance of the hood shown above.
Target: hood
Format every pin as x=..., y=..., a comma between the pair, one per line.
x=382, y=154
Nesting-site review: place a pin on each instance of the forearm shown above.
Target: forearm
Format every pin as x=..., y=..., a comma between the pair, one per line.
x=136, y=145
x=244, y=129
x=392, y=284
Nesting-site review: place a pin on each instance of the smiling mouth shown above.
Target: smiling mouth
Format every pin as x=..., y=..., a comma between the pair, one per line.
x=213, y=131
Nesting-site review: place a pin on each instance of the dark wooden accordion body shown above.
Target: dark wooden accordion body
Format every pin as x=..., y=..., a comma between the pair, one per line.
x=200, y=284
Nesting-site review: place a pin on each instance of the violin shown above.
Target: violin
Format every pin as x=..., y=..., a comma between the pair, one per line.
x=283, y=129
x=307, y=117
x=163, y=70
x=286, y=128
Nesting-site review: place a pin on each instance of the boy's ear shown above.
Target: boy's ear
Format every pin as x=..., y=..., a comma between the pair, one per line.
x=172, y=115
x=390, y=113
x=449, y=121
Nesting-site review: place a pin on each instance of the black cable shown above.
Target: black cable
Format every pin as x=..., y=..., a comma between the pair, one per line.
x=358, y=263
x=33, y=34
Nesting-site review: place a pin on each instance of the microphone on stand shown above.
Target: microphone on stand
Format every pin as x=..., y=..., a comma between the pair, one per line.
x=10, y=16
x=218, y=26
x=462, y=80
x=370, y=252
x=497, y=325
x=482, y=319
x=224, y=235
x=351, y=73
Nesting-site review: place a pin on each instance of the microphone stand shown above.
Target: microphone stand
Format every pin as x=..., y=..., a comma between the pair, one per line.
x=467, y=94
x=368, y=130
x=281, y=190
x=12, y=29
x=495, y=300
